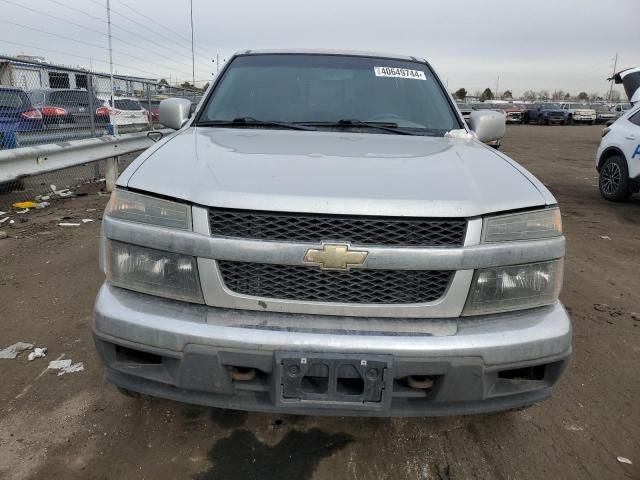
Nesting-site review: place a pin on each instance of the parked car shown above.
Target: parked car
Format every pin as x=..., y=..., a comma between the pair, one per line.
x=543, y=113
x=620, y=109
x=618, y=157
x=465, y=110
x=297, y=248
x=603, y=113
x=578, y=113
x=512, y=112
x=66, y=108
x=154, y=111
x=126, y=111
x=16, y=115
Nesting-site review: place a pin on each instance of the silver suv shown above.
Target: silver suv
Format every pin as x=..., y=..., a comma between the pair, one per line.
x=325, y=235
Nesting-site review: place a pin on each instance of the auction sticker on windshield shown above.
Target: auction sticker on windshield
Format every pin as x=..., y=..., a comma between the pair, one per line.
x=399, y=73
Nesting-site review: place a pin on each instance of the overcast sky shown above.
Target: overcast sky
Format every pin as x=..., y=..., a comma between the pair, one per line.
x=541, y=44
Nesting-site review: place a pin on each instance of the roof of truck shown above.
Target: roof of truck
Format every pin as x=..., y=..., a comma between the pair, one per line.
x=305, y=51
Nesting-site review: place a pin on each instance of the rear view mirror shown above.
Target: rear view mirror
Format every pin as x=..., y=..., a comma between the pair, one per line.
x=487, y=125
x=174, y=112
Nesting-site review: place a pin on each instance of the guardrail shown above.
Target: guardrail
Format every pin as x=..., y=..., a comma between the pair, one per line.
x=38, y=159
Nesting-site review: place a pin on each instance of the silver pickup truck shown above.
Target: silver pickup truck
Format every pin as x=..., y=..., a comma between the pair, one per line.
x=326, y=235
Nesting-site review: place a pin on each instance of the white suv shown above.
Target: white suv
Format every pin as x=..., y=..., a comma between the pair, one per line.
x=578, y=112
x=618, y=157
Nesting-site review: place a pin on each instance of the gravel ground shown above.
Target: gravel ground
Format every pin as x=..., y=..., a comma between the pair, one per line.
x=77, y=426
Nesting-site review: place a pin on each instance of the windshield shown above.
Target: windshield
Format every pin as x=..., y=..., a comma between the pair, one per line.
x=578, y=105
x=69, y=97
x=296, y=88
x=550, y=106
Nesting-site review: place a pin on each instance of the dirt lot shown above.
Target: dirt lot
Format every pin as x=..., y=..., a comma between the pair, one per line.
x=77, y=426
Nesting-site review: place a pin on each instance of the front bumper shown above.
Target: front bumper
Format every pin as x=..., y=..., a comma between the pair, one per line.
x=188, y=352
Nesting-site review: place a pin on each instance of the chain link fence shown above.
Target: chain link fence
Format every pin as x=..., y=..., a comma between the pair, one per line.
x=43, y=104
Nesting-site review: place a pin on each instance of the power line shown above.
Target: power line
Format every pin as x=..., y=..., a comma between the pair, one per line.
x=168, y=29
x=101, y=20
x=93, y=45
x=93, y=30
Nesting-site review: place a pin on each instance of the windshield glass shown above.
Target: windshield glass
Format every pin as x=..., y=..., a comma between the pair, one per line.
x=296, y=88
x=550, y=106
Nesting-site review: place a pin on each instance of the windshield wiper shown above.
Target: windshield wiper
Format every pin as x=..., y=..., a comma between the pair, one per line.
x=250, y=122
x=352, y=122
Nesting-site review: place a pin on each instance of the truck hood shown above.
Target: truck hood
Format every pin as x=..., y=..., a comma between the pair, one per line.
x=334, y=172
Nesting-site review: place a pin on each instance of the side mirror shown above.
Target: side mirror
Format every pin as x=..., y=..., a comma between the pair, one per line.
x=174, y=112
x=487, y=125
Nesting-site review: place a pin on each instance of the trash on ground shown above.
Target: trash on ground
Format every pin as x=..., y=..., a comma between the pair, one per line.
x=3, y=235
x=38, y=353
x=68, y=224
x=625, y=460
x=88, y=210
x=86, y=220
x=41, y=198
x=24, y=205
x=4, y=213
x=12, y=351
x=4, y=219
x=605, y=237
x=65, y=366
x=65, y=192
x=22, y=211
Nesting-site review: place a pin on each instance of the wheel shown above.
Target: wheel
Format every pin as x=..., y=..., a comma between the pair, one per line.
x=542, y=120
x=592, y=122
x=569, y=120
x=614, y=180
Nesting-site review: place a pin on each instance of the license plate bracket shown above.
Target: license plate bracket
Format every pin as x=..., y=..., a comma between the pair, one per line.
x=333, y=381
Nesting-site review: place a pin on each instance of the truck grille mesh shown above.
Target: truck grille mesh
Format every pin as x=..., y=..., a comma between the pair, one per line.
x=314, y=285
x=364, y=230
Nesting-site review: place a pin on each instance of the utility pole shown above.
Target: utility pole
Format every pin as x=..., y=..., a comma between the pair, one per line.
x=615, y=64
x=193, y=56
x=110, y=50
x=217, y=64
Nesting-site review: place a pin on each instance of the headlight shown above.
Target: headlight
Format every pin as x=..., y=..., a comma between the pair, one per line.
x=135, y=207
x=523, y=226
x=502, y=289
x=155, y=272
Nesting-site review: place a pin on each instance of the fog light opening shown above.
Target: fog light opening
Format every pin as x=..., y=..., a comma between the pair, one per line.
x=527, y=373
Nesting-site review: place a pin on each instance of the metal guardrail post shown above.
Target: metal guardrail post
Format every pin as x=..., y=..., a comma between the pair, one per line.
x=111, y=173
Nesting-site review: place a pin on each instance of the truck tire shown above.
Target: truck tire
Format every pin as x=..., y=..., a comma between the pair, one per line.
x=569, y=120
x=614, y=180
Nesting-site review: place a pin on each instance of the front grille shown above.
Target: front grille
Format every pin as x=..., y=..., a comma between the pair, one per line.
x=363, y=230
x=311, y=284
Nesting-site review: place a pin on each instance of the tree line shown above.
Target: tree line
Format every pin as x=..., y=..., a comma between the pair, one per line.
x=531, y=95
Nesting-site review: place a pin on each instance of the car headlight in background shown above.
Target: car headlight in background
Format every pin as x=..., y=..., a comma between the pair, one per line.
x=534, y=225
x=146, y=270
x=135, y=207
x=502, y=289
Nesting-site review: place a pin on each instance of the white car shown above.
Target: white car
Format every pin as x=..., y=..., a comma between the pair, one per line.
x=126, y=111
x=618, y=157
x=578, y=112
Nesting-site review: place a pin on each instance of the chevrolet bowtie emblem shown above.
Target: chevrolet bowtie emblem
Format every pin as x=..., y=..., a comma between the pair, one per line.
x=335, y=257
